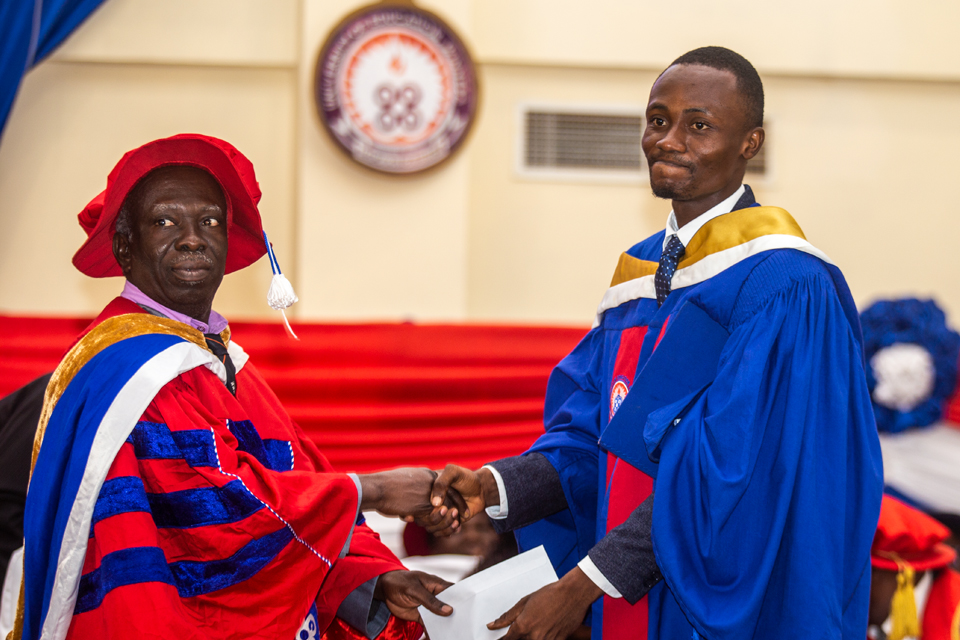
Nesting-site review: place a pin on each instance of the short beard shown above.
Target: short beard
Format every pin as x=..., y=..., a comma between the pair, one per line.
x=666, y=193
x=670, y=192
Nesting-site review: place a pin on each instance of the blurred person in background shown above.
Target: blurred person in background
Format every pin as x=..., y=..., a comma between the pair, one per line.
x=915, y=590
x=19, y=414
x=912, y=355
x=477, y=546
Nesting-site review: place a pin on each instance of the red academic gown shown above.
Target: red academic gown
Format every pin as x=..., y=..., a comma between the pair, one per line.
x=941, y=614
x=229, y=495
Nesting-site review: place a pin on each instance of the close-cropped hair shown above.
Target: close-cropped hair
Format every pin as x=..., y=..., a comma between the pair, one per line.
x=748, y=80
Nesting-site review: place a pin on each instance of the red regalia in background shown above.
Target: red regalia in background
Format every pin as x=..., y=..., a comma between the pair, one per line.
x=907, y=543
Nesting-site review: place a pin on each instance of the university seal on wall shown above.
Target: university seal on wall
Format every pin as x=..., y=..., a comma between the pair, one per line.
x=396, y=88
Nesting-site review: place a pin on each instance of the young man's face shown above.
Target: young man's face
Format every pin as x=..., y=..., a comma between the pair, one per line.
x=697, y=136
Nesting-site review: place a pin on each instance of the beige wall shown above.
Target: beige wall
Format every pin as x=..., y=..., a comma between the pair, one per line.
x=874, y=38
x=860, y=99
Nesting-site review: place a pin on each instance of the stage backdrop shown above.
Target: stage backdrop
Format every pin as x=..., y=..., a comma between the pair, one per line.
x=372, y=396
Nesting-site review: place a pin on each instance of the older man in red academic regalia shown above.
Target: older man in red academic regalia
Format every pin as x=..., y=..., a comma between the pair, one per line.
x=173, y=497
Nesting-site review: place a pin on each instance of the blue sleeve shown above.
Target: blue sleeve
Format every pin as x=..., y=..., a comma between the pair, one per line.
x=768, y=490
x=572, y=421
x=533, y=491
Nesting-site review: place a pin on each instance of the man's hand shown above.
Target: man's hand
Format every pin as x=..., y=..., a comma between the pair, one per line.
x=404, y=591
x=552, y=613
x=477, y=488
x=407, y=492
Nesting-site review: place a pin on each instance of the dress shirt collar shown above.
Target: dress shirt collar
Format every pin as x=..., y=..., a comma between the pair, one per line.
x=216, y=323
x=690, y=229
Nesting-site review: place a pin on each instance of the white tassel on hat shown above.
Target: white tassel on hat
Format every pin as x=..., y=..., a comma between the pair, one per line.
x=281, y=294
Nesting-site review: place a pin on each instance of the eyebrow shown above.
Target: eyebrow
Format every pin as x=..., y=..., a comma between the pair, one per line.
x=660, y=105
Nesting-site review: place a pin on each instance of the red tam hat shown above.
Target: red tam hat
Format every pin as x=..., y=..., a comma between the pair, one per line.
x=910, y=536
x=230, y=168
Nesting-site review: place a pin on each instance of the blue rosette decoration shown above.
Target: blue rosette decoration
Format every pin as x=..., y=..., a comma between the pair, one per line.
x=911, y=357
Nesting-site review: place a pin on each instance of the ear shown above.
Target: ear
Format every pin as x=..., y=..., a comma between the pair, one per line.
x=121, y=251
x=753, y=143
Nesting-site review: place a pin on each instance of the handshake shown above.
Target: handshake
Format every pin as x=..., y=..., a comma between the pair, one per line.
x=440, y=503
x=437, y=502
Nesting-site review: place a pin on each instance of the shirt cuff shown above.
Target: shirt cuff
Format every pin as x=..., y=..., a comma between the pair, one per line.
x=356, y=516
x=586, y=565
x=498, y=512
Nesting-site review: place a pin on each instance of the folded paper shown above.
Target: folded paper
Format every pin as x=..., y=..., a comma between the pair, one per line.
x=484, y=597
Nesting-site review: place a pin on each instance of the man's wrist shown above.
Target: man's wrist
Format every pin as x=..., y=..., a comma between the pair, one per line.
x=579, y=588
x=378, y=588
x=371, y=490
x=488, y=488
x=593, y=572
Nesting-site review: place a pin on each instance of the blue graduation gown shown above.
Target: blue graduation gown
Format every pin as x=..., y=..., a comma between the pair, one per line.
x=767, y=482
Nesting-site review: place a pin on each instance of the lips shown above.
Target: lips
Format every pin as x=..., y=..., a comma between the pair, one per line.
x=670, y=164
x=192, y=270
x=190, y=273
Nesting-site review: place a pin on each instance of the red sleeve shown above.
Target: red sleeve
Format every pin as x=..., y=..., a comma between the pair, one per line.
x=368, y=558
x=203, y=537
x=318, y=507
x=941, y=615
x=396, y=629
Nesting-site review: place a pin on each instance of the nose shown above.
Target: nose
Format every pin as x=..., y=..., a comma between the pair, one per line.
x=672, y=140
x=191, y=238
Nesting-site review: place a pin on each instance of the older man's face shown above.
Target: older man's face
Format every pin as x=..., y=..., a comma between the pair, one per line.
x=177, y=251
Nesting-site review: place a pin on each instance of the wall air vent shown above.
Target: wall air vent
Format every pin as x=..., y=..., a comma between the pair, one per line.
x=594, y=144
x=581, y=144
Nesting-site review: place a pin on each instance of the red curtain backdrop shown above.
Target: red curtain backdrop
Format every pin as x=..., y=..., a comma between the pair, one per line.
x=372, y=396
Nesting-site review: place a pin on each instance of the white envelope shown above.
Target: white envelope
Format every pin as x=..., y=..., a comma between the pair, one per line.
x=484, y=597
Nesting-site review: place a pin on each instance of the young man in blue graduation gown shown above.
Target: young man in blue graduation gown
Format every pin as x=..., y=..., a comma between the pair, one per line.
x=750, y=418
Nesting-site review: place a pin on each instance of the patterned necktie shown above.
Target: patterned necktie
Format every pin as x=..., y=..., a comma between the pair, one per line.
x=215, y=342
x=668, y=265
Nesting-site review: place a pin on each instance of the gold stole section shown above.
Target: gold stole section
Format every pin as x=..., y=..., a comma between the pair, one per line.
x=630, y=268
x=723, y=232
x=106, y=334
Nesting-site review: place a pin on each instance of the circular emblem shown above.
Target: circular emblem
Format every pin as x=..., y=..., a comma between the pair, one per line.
x=618, y=394
x=396, y=88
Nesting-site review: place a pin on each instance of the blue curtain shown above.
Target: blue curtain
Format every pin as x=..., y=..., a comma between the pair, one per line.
x=29, y=31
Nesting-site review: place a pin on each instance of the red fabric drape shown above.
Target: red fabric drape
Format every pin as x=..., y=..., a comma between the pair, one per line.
x=372, y=396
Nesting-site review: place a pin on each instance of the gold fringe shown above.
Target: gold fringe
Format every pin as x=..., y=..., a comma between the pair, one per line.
x=903, y=608
x=17, y=632
x=106, y=334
